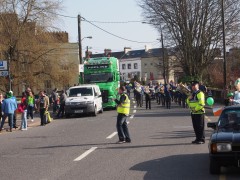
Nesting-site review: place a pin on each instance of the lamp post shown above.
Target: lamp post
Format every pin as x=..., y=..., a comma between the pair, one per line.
x=80, y=39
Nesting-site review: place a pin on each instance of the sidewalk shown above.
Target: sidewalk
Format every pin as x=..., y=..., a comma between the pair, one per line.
x=31, y=124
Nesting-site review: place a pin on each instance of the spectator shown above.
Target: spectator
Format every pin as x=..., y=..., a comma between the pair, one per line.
x=43, y=104
x=30, y=105
x=23, y=110
x=63, y=98
x=9, y=106
x=54, y=99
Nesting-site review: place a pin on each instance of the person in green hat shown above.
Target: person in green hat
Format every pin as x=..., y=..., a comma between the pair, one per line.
x=9, y=106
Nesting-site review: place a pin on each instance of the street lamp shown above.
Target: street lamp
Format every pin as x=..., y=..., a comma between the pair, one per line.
x=88, y=37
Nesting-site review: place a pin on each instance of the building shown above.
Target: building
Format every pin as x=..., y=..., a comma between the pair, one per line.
x=145, y=65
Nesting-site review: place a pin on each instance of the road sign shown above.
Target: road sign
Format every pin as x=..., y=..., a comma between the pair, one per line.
x=3, y=73
x=3, y=65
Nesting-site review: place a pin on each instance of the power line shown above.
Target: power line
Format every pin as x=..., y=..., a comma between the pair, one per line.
x=114, y=34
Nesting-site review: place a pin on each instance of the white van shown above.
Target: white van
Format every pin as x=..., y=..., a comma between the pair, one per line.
x=85, y=98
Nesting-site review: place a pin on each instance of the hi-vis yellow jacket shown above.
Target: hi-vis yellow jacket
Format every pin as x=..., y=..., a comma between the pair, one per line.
x=124, y=108
x=197, y=103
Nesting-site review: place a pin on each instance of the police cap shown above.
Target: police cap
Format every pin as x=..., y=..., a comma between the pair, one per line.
x=193, y=83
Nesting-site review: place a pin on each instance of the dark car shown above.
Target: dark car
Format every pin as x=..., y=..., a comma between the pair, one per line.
x=224, y=144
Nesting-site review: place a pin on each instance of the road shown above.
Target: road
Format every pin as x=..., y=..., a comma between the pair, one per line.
x=84, y=148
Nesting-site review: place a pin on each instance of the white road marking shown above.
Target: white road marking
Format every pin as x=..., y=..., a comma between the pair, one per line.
x=85, y=154
x=111, y=136
x=128, y=122
x=134, y=107
x=134, y=111
x=132, y=98
x=134, y=102
x=131, y=116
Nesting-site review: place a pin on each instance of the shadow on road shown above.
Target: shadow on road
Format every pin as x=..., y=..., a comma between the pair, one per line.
x=189, y=166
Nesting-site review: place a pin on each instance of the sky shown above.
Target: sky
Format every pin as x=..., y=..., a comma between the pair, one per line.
x=107, y=11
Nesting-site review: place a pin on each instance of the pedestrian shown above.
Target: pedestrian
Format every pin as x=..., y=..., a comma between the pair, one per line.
x=147, y=97
x=63, y=98
x=236, y=97
x=54, y=100
x=1, y=101
x=9, y=106
x=43, y=104
x=23, y=109
x=123, y=109
x=30, y=105
x=14, y=115
x=196, y=103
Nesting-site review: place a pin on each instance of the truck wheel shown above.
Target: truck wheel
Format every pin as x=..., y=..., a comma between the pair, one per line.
x=215, y=168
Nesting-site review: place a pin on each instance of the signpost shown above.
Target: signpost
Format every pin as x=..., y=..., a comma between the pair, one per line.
x=3, y=65
x=4, y=73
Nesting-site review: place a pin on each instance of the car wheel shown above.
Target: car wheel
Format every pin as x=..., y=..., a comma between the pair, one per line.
x=215, y=168
x=101, y=111
x=95, y=111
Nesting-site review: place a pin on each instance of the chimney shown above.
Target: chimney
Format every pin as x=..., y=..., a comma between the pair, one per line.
x=107, y=52
x=127, y=49
x=147, y=47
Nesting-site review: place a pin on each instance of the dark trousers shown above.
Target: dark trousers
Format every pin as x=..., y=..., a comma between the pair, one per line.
x=168, y=102
x=198, y=126
x=10, y=120
x=61, y=110
x=139, y=99
x=30, y=112
x=43, y=116
x=122, y=128
x=148, y=102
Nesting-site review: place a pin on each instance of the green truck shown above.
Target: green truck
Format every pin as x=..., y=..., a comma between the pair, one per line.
x=104, y=71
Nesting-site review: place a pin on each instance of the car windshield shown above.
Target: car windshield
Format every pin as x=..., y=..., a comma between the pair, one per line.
x=101, y=77
x=230, y=118
x=82, y=91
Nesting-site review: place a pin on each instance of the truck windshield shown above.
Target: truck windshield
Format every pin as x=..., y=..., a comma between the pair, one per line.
x=84, y=91
x=101, y=77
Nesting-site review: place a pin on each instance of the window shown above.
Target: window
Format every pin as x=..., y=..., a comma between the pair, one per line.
x=123, y=66
x=145, y=64
x=129, y=66
x=135, y=66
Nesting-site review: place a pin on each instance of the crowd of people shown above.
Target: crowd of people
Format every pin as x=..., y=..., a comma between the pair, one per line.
x=164, y=94
x=28, y=106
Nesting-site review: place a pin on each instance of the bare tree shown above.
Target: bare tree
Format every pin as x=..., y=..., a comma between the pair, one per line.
x=195, y=28
x=24, y=39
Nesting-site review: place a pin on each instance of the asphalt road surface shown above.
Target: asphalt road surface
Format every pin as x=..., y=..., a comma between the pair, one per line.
x=84, y=148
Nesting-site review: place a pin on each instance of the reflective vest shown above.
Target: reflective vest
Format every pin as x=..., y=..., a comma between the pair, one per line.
x=197, y=103
x=124, y=108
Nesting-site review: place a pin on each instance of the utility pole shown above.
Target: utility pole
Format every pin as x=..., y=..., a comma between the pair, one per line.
x=163, y=57
x=224, y=47
x=80, y=48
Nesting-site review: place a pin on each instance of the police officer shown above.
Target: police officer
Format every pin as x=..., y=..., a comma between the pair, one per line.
x=196, y=103
x=123, y=110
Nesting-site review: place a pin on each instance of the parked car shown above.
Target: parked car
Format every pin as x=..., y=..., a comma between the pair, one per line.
x=224, y=144
x=85, y=98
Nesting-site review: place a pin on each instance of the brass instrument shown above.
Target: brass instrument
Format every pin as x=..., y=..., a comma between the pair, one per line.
x=183, y=89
